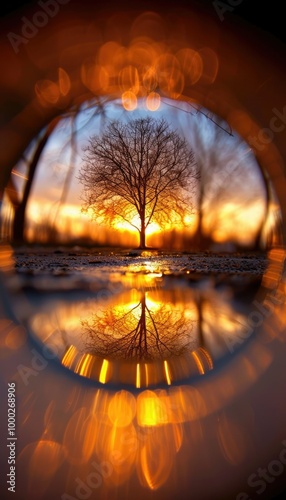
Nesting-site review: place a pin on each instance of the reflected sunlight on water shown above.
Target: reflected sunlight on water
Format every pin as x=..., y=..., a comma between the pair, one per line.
x=139, y=325
x=143, y=328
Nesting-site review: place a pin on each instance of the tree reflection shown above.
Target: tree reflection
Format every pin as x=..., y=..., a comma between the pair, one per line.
x=142, y=330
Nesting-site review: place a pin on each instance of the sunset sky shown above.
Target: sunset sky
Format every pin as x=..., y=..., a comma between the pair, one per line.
x=231, y=203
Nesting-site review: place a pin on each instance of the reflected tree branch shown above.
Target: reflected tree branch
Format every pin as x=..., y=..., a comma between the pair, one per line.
x=138, y=332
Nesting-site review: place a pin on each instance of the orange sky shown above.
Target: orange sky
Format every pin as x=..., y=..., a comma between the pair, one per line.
x=71, y=222
x=226, y=219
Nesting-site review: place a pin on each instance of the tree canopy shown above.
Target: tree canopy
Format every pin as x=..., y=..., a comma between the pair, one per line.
x=139, y=332
x=139, y=171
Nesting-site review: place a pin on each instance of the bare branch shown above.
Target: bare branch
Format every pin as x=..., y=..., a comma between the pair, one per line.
x=142, y=168
x=137, y=332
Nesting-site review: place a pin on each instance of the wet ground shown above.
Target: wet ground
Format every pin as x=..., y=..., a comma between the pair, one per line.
x=135, y=305
x=62, y=261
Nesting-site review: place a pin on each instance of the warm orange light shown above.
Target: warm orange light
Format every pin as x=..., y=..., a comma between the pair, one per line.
x=146, y=375
x=64, y=82
x=191, y=64
x=94, y=76
x=156, y=459
x=138, y=376
x=129, y=80
x=122, y=225
x=219, y=222
x=170, y=77
x=16, y=336
x=198, y=363
x=6, y=258
x=129, y=100
x=150, y=80
x=118, y=446
x=151, y=409
x=103, y=372
x=189, y=219
x=45, y=461
x=153, y=101
x=207, y=356
x=85, y=366
x=79, y=436
x=210, y=65
x=122, y=409
x=229, y=216
x=47, y=92
x=167, y=372
x=69, y=356
x=122, y=433
x=233, y=440
x=108, y=57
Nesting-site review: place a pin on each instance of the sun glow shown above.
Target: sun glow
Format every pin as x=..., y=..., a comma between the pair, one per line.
x=69, y=222
x=123, y=225
x=189, y=219
x=223, y=224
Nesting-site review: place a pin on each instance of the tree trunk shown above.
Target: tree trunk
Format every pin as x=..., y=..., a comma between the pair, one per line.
x=142, y=233
x=199, y=231
x=268, y=195
x=142, y=238
x=19, y=222
x=199, y=304
x=20, y=210
x=143, y=329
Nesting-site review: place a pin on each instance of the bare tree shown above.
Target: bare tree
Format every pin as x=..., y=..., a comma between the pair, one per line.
x=20, y=202
x=20, y=207
x=139, y=172
x=228, y=175
x=139, y=332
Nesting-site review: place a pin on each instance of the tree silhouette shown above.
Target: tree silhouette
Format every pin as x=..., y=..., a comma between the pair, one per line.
x=139, y=172
x=228, y=174
x=20, y=205
x=138, y=332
